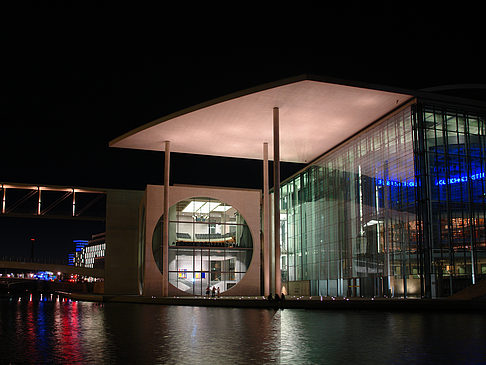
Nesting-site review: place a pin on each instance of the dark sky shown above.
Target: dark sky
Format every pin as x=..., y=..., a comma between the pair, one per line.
x=64, y=97
x=60, y=109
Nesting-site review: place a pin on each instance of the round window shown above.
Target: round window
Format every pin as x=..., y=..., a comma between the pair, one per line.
x=210, y=246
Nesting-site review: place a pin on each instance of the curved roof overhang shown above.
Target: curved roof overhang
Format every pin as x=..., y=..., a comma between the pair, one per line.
x=315, y=115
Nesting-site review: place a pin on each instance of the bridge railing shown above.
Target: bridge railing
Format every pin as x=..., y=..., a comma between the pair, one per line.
x=38, y=260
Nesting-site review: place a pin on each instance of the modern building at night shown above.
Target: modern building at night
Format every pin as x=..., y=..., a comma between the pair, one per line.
x=392, y=201
x=92, y=253
x=74, y=257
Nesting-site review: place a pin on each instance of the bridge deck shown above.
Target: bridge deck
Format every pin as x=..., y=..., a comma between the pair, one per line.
x=65, y=269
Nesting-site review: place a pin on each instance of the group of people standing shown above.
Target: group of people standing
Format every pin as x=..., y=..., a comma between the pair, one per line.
x=213, y=291
x=277, y=297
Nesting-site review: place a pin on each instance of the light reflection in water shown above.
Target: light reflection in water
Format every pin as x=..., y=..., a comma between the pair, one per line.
x=53, y=331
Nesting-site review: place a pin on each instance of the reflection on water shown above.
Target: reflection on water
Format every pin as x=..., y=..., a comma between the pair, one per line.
x=53, y=331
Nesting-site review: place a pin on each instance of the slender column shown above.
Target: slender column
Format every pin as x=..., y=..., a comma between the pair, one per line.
x=276, y=201
x=74, y=202
x=165, y=237
x=266, y=224
x=39, y=201
x=3, y=198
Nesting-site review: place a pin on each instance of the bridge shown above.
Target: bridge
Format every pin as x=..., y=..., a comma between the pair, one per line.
x=53, y=202
x=55, y=268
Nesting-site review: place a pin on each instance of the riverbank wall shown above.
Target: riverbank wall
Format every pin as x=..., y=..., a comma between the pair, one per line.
x=321, y=303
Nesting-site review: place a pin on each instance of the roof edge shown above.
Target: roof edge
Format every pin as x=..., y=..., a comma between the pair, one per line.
x=234, y=95
x=255, y=89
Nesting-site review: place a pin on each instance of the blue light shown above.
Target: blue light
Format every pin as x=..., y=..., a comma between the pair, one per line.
x=451, y=180
x=80, y=244
x=45, y=275
x=460, y=179
x=381, y=182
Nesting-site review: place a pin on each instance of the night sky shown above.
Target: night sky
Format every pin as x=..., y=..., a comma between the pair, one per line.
x=64, y=98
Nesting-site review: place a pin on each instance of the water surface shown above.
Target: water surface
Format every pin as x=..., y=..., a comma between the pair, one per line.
x=54, y=331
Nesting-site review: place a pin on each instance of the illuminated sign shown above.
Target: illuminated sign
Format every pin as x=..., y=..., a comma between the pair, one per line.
x=382, y=182
x=460, y=179
x=451, y=180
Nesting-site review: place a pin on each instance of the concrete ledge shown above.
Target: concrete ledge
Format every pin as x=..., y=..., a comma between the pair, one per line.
x=380, y=304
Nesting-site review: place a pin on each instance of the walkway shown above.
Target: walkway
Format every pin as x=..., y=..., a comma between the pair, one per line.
x=381, y=304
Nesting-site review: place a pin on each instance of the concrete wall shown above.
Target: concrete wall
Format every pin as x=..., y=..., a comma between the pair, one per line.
x=246, y=201
x=122, y=241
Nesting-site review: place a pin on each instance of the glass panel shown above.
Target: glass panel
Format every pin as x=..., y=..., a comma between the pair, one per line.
x=185, y=260
x=214, y=245
x=172, y=259
x=346, y=216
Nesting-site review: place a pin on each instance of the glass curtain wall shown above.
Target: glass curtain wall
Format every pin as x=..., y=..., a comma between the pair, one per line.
x=450, y=149
x=348, y=222
x=210, y=245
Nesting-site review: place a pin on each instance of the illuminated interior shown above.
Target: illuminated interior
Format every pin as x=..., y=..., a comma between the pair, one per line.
x=210, y=245
x=355, y=222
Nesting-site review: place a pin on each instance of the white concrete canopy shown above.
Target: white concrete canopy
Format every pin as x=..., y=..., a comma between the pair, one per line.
x=314, y=117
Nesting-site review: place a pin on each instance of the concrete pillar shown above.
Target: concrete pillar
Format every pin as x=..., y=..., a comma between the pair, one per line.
x=3, y=198
x=165, y=236
x=266, y=224
x=276, y=202
x=74, y=202
x=39, y=201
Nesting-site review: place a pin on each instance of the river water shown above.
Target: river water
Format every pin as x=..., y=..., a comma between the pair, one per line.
x=70, y=332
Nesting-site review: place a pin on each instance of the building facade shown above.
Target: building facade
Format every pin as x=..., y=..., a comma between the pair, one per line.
x=214, y=241
x=391, y=202
x=397, y=210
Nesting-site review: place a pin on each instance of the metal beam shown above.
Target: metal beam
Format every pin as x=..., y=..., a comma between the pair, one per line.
x=56, y=203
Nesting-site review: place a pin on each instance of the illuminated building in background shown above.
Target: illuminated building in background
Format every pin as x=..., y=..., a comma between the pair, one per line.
x=73, y=257
x=92, y=254
x=391, y=203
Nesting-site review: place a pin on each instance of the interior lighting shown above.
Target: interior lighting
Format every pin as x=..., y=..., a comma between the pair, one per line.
x=193, y=206
x=222, y=208
x=203, y=207
x=371, y=223
x=208, y=207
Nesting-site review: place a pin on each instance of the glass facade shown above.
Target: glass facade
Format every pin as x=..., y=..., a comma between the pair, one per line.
x=450, y=160
x=397, y=210
x=210, y=245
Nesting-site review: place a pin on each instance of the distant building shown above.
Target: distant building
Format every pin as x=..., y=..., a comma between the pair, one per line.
x=73, y=257
x=92, y=254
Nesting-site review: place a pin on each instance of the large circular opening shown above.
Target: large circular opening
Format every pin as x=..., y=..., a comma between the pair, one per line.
x=210, y=245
